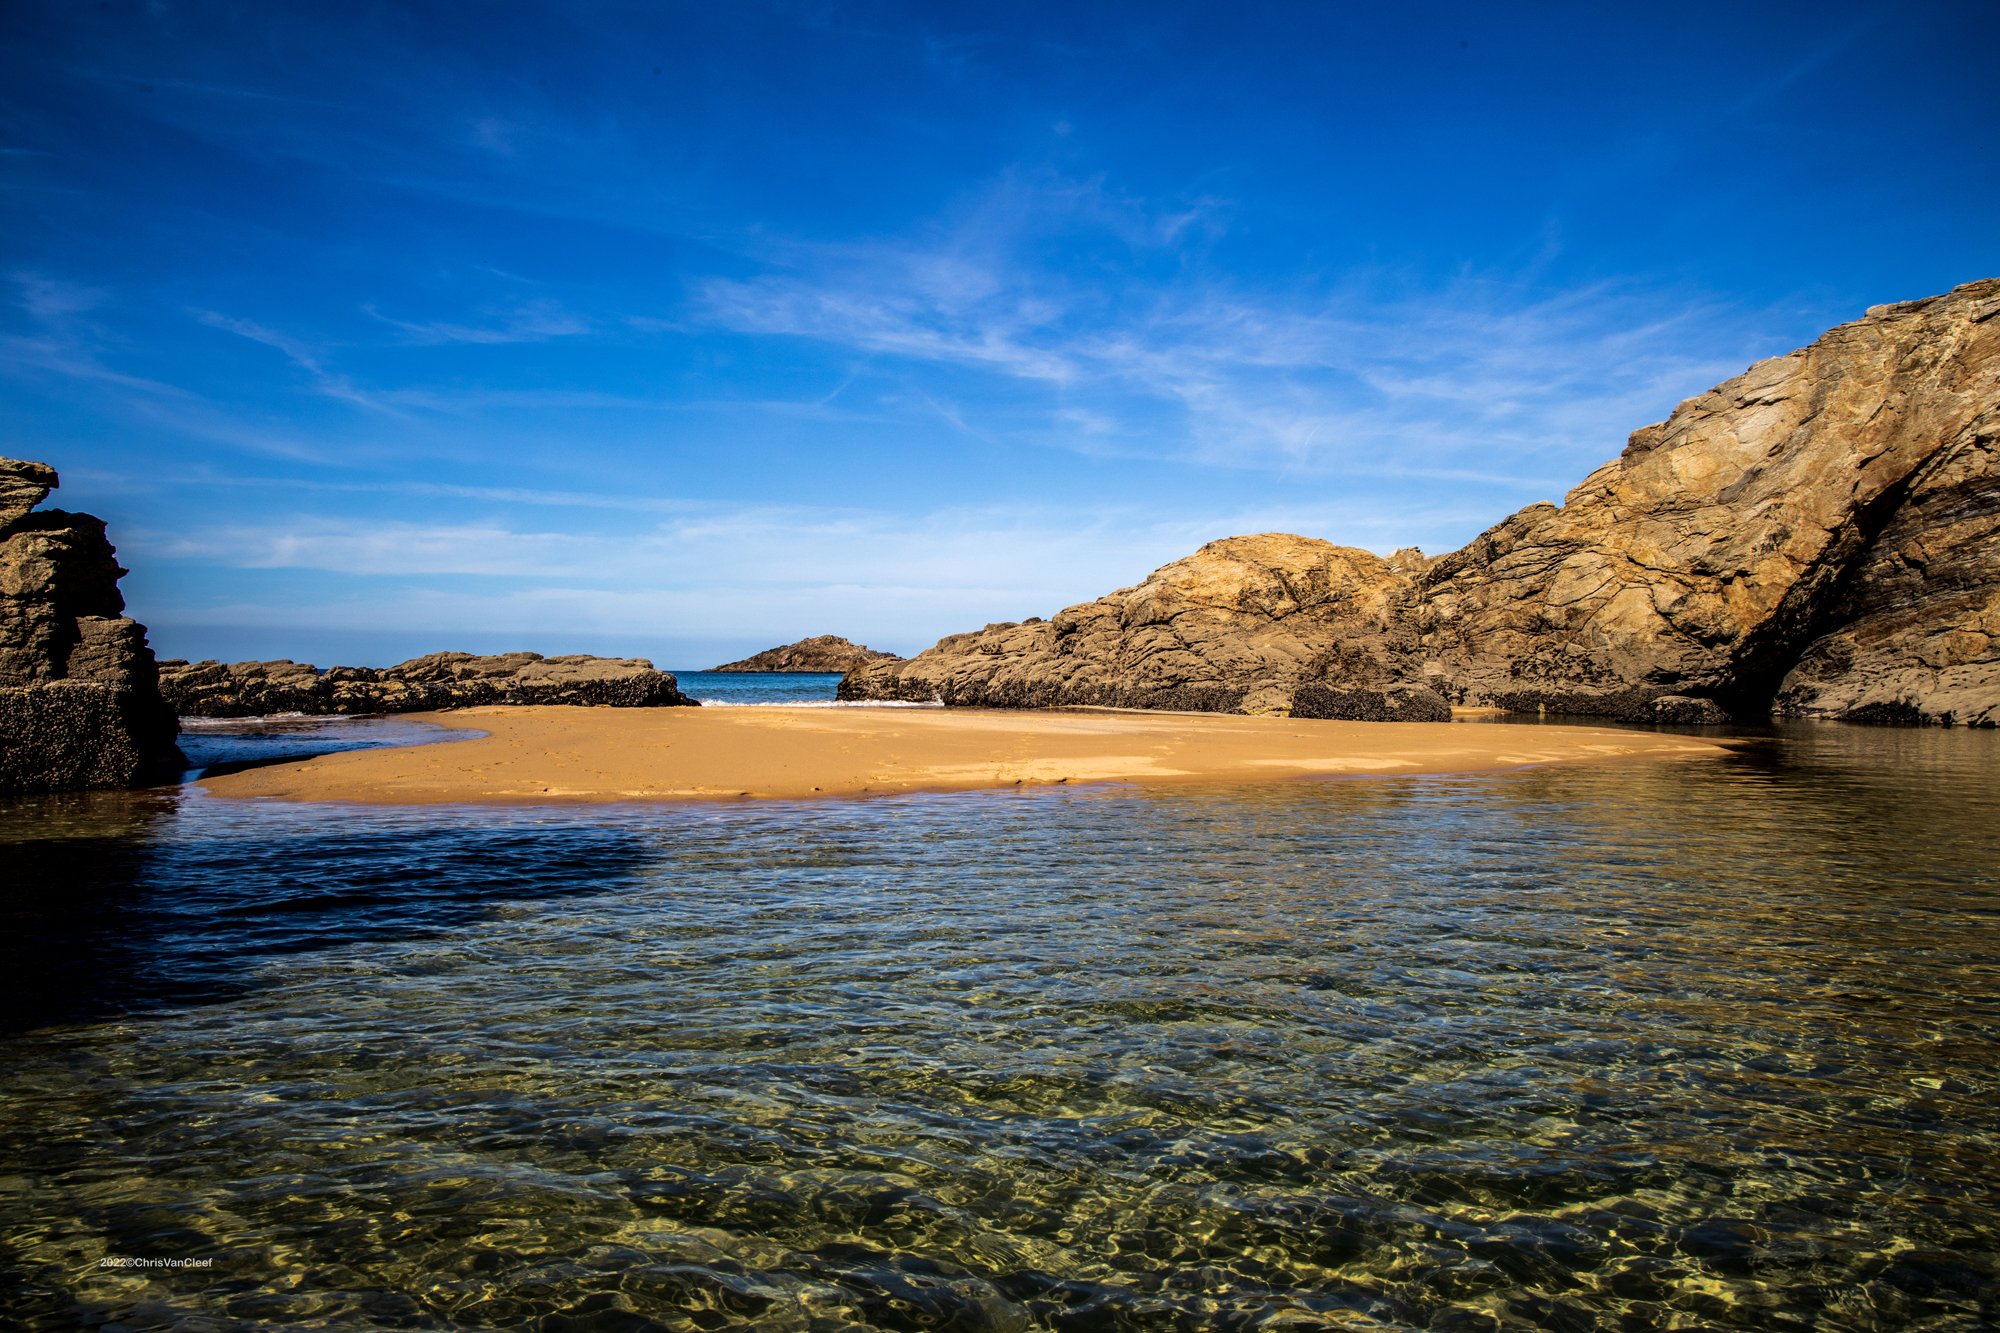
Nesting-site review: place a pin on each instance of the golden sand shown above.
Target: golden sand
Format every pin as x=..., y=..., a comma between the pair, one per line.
x=618, y=754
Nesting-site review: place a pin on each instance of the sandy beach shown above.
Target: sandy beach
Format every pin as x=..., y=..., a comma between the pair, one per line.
x=534, y=755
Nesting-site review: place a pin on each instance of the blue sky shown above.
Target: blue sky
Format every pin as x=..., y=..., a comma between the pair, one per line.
x=679, y=330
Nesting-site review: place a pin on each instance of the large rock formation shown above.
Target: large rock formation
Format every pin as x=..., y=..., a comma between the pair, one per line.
x=1706, y=558
x=438, y=680
x=1820, y=533
x=821, y=653
x=1238, y=626
x=79, y=697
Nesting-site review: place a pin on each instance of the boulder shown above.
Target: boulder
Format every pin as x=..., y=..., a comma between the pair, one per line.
x=80, y=705
x=1684, y=710
x=434, y=681
x=823, y=653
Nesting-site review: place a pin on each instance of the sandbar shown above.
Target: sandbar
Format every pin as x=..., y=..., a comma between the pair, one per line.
x=560, y=754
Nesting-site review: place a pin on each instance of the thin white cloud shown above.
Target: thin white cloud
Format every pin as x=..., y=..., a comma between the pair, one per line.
x=537, y=321
x=51, y=300
x=1323, y=376
x=68, y=358
x=64, y=342
x=301, y=354
x=369, y=549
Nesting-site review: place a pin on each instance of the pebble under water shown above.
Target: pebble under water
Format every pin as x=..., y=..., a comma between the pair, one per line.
x=1702, y=1044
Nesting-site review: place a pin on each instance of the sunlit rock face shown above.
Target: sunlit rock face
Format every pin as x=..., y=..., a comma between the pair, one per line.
x=1917, y=629
x=1816, y=535
x=436, y=680
x=79, y=697
x=1783, y=515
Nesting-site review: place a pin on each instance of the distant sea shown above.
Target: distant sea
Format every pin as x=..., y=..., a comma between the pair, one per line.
x=725, y=687
x=1630, y=1045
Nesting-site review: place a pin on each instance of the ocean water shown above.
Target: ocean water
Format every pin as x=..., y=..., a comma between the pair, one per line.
x=720, y=687
x=1699, y=1045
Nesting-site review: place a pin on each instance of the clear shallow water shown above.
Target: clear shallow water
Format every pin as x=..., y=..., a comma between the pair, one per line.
x=1626, y=1046
x=220, y=745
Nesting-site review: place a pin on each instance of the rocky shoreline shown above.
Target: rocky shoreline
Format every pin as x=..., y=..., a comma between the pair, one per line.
x=422, y=684
x=1818, y=537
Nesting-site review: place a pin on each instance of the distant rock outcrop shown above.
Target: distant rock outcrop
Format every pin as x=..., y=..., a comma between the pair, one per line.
x=1819, y=536
x=79, y=697
x=824, y=652
x=438, y=680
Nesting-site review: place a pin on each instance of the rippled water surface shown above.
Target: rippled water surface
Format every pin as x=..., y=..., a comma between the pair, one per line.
x=1682, y=1044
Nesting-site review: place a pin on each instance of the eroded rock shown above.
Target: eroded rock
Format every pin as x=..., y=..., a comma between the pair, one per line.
x=79, y=697
x=1822, y=531
x=1917, y=628
x=1705, y=558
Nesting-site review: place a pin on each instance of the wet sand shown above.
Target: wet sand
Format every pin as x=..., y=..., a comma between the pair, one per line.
x=537, y=755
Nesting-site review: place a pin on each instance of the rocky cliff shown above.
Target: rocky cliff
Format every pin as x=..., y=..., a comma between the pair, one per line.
x=1820, y=534
x=1709, y=557
x=439, y=680
x=79, y=698
x=824, y=652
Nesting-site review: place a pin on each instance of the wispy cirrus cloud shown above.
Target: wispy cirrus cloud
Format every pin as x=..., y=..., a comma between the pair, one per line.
x=65, y=341
x=301, y=354
x=1343, y=372
x=537, y=321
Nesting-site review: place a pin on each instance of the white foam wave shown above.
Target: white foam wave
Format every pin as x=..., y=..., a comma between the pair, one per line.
x=256, y=720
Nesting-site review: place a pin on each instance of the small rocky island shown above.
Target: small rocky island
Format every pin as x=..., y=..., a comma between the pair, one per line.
x=827, y=653
x=80, y=703
x=436, y=680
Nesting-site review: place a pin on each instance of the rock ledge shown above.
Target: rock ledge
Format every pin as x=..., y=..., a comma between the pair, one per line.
x=422, y=684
